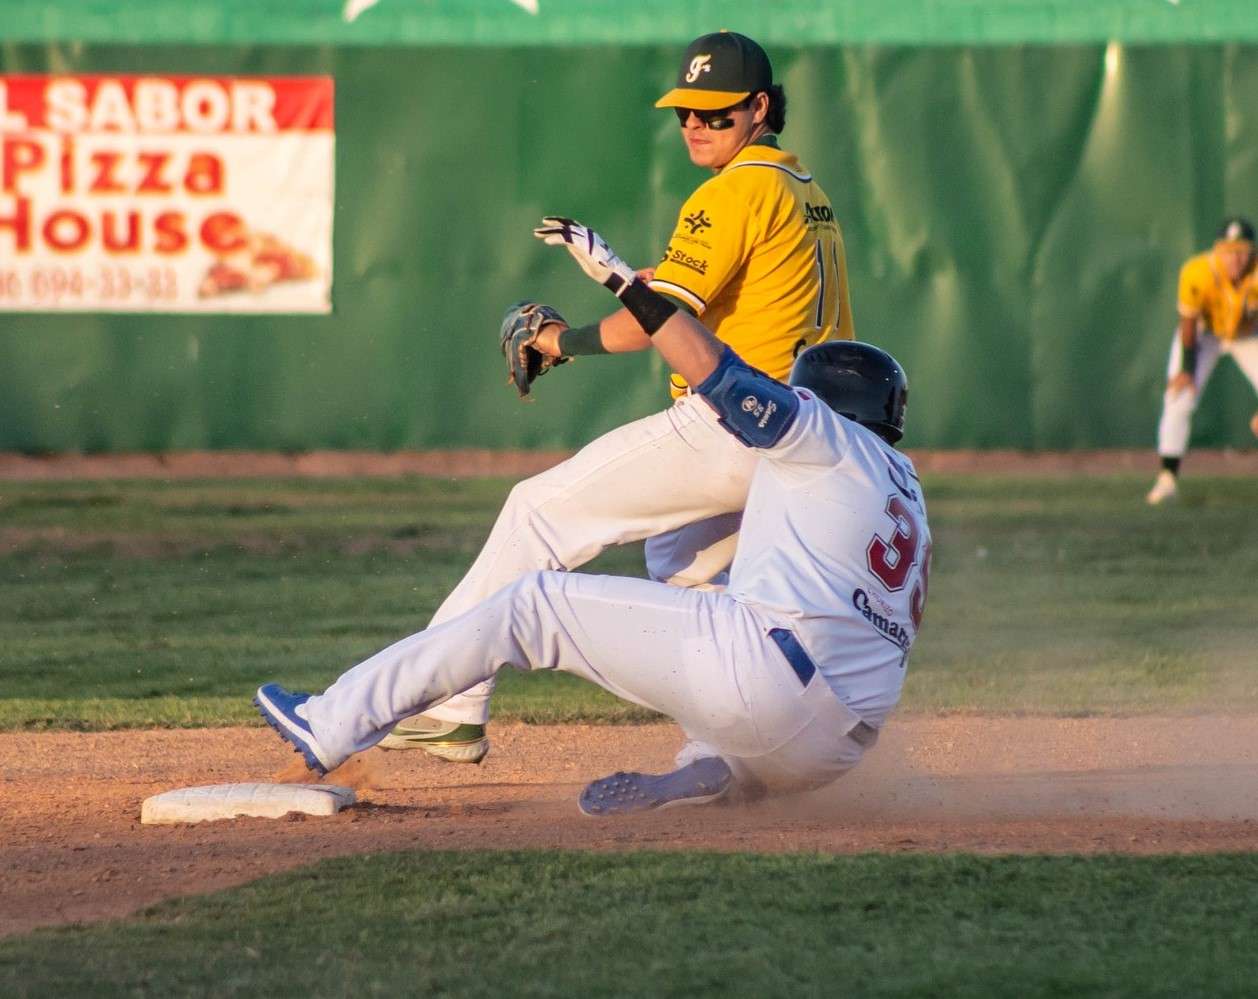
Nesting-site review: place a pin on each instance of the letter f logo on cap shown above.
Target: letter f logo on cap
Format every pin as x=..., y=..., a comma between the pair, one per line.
x=699, y=64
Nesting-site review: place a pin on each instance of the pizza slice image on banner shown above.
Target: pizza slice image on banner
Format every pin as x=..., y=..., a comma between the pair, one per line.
x=166, y=193
x=262, y=261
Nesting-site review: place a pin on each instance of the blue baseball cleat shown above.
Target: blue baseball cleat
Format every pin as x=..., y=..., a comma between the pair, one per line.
x=285, y=712
x=624, y=793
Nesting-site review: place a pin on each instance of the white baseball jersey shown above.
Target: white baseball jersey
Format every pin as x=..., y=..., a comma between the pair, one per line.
x=835, y=539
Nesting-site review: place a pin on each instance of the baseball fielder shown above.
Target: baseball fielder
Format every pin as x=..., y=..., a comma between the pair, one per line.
x=782, y=680
x=758, y=255
x=1218, y=314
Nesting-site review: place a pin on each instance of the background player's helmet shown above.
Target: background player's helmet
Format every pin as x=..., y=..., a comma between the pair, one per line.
x=856, y=380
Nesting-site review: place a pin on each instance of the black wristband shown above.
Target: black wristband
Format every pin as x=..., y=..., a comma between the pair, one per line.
x=1188, y=359
x=581, y=341
x=651, y=309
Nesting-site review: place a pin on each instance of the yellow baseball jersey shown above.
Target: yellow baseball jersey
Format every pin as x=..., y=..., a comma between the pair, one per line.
x=757, y=254
x=1205, y=292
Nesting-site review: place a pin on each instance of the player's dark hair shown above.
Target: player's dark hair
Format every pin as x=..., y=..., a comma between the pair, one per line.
x=776, y=118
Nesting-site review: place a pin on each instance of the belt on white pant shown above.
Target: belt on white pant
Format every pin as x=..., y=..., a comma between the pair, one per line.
x=862, y=733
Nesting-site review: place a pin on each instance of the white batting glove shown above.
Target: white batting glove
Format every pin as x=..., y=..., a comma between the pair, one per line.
x=588, y=249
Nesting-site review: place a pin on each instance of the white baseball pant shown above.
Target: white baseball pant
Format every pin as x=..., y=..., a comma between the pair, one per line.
x=700, y=657
x=1175, y=424
x=676, y=477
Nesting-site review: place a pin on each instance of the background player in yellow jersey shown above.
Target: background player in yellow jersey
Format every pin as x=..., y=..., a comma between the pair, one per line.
x=1218, y=314
x=758, y=256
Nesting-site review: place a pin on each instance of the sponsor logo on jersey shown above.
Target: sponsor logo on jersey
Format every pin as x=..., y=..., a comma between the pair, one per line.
x=698, y=222
x=878, y=614
x=818, y=213
x=684, y=259
x=699, y=64
x=763, y=412
x=681, y=237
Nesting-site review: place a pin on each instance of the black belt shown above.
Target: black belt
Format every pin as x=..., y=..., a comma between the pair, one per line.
x=862, y=734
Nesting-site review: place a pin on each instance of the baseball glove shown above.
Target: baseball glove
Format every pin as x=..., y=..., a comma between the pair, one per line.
x=520, y=326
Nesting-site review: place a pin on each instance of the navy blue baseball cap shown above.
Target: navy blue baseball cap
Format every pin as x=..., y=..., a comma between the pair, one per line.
x=719, y=71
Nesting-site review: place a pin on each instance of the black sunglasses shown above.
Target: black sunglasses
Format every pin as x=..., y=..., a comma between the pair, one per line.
x=717, y=121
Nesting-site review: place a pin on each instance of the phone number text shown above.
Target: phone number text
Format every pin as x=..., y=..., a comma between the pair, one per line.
x=104, y=285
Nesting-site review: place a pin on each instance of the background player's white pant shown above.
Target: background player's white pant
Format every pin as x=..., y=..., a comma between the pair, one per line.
x=650, y=477
x=697, y=554
x=1175, y=425
x=702, y=658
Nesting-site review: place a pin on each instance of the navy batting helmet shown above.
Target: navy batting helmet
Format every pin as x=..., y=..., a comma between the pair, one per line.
x=856, y=380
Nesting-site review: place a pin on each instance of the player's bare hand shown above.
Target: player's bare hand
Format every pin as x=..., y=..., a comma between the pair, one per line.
x=547, y=341
x=588, y=249
x=1180, y=382
x=646, y=274
x=1253, y=424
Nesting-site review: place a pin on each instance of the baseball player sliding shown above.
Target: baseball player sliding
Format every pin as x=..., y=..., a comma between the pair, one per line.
x=1218, y=314
x=758, y=255
x=782, y=680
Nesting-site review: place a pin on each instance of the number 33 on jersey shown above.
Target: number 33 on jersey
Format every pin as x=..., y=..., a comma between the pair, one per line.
x=892, y=560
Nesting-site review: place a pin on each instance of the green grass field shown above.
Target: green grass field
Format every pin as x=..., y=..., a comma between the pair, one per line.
x=135, y=604
x=139, y=603
x=647, y=924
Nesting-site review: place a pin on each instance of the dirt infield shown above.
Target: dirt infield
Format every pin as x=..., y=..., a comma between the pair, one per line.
x=513, y=464
x=72, y=848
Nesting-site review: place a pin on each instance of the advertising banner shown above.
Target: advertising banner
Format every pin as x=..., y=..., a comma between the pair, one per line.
x=166, y=194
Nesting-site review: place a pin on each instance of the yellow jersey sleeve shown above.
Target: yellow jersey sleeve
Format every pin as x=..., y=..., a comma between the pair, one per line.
x=1196, y=282
x=708, y=246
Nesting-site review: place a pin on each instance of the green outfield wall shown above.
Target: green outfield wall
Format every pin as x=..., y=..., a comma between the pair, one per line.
x=1015, y=213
